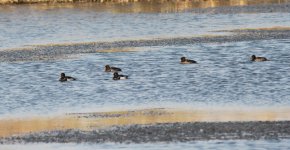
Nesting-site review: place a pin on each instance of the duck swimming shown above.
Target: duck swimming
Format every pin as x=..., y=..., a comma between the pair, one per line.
x=64, y=78
x=112, y=69
x=187, y=61
x=119, y=76
x=254, y=58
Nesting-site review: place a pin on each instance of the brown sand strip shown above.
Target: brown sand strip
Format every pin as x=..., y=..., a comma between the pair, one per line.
x=93, y=121
x=165, y=132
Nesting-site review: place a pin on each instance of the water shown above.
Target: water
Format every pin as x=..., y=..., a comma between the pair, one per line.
x=26, y=25
x=237, y=144
x=223, y=77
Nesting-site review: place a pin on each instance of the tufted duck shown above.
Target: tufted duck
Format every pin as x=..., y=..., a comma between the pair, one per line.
x=119, y=76
x=187, y=61
x=65, y=78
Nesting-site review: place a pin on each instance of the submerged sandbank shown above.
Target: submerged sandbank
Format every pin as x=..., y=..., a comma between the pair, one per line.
x=165, y=132
x=104, y=120
x=70, y=50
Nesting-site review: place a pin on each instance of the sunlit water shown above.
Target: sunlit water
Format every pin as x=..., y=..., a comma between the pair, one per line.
x=224, y=75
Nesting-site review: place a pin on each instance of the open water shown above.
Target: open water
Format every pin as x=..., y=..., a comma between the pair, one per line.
x=223, y=77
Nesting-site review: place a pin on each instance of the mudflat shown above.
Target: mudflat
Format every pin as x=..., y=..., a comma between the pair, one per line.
x=150, y=125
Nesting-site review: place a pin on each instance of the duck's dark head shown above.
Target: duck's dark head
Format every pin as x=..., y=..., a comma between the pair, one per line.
x=62, y=75
x=107, y=68
x=116, y=74
x=183, y=59
x=253, y=57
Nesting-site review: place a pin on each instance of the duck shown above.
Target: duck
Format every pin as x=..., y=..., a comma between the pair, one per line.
x=187, y=61
x=254, y=58
x=64, y=78
x=119, y=76
x=112, y=69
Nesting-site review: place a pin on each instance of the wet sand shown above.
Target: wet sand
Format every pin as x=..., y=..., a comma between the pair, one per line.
x=167, y=132
x=150, y=125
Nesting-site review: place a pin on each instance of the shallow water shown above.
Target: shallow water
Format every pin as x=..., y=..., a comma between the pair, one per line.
x=223, y=77
x=237, y=144
x=26, y=25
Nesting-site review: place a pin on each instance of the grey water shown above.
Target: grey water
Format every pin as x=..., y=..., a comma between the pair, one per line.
x=223, y=77
x=24, y=25
x=209, y=145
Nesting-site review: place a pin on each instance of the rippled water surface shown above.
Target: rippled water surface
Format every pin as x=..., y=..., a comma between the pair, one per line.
x=224, y=75
x=24, y=25
x=238, y=144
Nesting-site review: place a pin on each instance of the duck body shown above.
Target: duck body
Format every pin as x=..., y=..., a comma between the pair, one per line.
x=187, y=61
x=258, y=59
x=112, y=69
x=64, y=78
x=119, y=76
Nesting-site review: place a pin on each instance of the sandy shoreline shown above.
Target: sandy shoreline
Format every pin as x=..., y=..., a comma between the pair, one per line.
x=162, y=132
x=77, y=124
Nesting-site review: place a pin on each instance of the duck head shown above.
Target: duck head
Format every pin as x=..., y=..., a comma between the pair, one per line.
x=253, y=57
x=62, y=75
x=107, y=68
x=183, y=59
x=116, y=74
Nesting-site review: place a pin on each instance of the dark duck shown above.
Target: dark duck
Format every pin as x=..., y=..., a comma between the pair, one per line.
x=254, y=58
x=112, y=69
x=64, y=78
x=187, y=61
x=119, y=76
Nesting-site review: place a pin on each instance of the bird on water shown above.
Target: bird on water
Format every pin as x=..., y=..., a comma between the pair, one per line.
x=254, y=58
x=64, y=78
x=112, y=69
x=184, y=60
x=119, y=76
